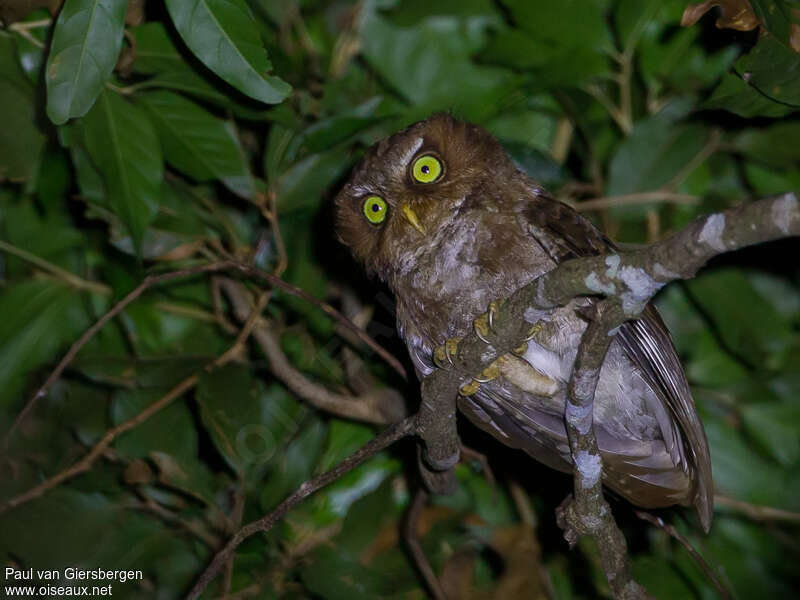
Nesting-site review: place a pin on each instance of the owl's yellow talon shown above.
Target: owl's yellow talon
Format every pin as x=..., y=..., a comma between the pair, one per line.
x=443, y=355
x=533, y=331
x=440, y=358
x=451, y=346
x=469, y=388
x=481, y=326
x=520, y=350
x=489, y=373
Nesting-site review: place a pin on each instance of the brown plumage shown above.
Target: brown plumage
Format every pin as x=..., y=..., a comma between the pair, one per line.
x=449, y=242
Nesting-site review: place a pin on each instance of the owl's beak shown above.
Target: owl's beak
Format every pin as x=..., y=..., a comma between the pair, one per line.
x=409, y=214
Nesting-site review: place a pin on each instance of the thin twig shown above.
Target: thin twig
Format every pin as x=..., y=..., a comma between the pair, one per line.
x=711, y=146
x=411, y=535
x=151, y=506
x=270, y=213
x=25, y=33
x=152, y=280
x=249, y=324
x=376, y=405
x=28, y=25
x=625, y=100
x=328, y=310
x=758, y=512
x=385, y=439
x=636, y=198
x=100, y=447
x=616, y=114
x=148, y=282
x=70, y=278
x=236, y=518
x=670, y=530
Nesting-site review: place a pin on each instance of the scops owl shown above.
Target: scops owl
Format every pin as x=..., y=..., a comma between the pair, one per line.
x=440, y=212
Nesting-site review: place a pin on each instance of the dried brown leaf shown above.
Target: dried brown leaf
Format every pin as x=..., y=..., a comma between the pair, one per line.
x=735, y=14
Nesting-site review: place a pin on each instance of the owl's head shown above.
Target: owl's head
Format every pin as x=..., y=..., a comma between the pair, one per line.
x=411, y=185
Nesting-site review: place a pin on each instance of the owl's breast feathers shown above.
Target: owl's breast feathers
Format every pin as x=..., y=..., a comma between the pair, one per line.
x=652, y=441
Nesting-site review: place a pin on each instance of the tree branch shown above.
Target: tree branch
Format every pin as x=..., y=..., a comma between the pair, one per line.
x=385, y=439
x=670, y=530
x=628, y=281
x=148, y=282
x=152, y=280
x=380, y=405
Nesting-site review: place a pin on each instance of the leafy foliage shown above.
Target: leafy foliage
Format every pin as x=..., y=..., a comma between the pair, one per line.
x=171, y=134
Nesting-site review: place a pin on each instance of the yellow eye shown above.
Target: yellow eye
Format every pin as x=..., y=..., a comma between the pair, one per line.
x=426, y=169
x=375, y=209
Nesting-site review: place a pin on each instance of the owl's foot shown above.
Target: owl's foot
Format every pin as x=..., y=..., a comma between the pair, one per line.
x=488, y=374
x=516, y=371
x=443, y=355
x=523, y=347
x=484, y=324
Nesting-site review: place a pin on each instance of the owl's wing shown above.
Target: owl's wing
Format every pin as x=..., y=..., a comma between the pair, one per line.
x=646, y=342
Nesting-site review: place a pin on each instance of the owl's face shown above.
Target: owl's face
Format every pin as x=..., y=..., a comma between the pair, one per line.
x=410, y=186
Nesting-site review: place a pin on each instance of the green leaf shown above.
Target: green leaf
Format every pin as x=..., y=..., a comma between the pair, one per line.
x=777, y=18
x=197, y=143
x=190, y=476
x=85, y=47
x=21, y=141
x=303, y=184
x=529, y=127
x=327, y=133
x=295, y=466
x=671, y=58
x=747, y=324
x=156, y=55
x=170, y=430
x=123, y=146
x=766, y=181
x=737, y=96
x=334, y=576
x=633, y=17
x=155, y=52
x=559, y=43
x=68, y=528
x=47, y=315
x=775, y=145
x=776, y=427
x=430, y=65
x=660, y=578
x=247, y=423
x=47, y=236
x=653, y=154
x=752, y=558
x=742, y=473
x=766, y=83
x=224, y=36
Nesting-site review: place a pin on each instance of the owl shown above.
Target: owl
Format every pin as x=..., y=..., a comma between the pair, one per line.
x=440, y=212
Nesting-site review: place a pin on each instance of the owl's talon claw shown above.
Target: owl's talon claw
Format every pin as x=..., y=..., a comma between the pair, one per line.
x=532, y=332
x=443, y=355
x=489, y=373
x=481, y=327
x=494, y=305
